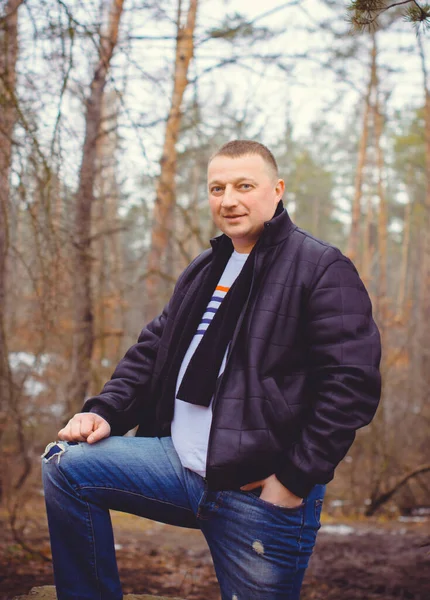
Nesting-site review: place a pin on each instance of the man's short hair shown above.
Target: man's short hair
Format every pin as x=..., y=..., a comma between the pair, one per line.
x=237, y=148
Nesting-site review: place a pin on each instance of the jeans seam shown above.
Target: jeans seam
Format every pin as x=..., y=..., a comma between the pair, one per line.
x=182, y=482
x=94, y=547
x=299, y=541
x=70, y=482
x=202, y=499
x=101, y=487
x=318, y=502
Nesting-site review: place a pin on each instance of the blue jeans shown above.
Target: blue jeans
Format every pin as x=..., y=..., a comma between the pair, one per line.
x=260, y=551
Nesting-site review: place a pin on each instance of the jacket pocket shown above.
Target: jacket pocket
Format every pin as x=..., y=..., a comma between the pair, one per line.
x=286, y=401
x=282, y=416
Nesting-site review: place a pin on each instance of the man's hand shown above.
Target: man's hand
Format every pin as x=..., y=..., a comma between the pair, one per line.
x=274, y=492
x=85, y=427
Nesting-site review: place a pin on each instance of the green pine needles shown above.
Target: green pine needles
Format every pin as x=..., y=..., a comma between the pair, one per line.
x=363, y=14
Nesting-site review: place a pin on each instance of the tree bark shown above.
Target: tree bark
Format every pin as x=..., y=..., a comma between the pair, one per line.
x=166, y=192
x=8, y=58
x=83, y=319
x=107, y=250
x=403, y=283
x=354, y=236
x=424, y=299
x=368, y=250
x=382, y=299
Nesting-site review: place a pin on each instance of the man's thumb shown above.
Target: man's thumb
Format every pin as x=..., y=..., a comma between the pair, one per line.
x=101, y=432
x=93, y=437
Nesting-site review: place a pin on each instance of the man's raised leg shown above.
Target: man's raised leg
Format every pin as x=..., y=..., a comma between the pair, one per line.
x=83, y=481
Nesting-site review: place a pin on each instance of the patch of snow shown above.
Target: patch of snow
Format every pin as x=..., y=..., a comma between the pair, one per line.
x=339, y=529
x=57, y=409
x=17, y=359
x=412, y=519
x=27, y=368
x=336, y=503
x=32, y=387
x=35, y=363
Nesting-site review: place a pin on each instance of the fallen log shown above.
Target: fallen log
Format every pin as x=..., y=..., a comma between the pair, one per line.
x=47, y=592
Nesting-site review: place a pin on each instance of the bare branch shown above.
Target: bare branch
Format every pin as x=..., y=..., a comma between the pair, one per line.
x=383, y=498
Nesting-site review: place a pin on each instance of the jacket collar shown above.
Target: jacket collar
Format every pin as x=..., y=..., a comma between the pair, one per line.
x=275, y=230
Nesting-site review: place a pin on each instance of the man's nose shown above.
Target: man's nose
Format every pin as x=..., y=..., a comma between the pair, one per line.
x=229, y=197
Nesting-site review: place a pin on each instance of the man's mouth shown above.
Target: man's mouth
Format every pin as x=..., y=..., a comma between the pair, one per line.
x=233, y=217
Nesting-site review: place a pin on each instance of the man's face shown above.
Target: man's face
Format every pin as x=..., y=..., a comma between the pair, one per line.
x=243, y=194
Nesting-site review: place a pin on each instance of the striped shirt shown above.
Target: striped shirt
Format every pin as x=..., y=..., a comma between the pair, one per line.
x=191, y=423
x=214, y=304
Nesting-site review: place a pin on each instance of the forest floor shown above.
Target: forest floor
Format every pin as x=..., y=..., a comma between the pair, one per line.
x=353, y=560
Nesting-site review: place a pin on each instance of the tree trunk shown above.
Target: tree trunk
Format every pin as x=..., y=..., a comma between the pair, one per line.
x=83, y=335
x=8, y=58
x=107, y=250
x=166, y=193
x=354, y=236
x=403, y=283
x=368, y=250
x=424, y=299
x=382, y=300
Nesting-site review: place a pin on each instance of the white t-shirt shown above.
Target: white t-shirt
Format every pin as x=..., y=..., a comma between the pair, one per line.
x=191, y=423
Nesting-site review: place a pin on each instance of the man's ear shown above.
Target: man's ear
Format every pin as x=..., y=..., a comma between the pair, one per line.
x=280, y=188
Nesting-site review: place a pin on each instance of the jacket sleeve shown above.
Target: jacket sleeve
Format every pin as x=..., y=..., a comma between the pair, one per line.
x=119, y=401
x=344, y=380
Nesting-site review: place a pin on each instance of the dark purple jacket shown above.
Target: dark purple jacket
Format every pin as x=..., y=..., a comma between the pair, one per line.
x=302, y=373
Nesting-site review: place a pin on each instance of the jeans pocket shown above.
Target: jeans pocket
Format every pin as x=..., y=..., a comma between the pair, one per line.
x=276, y=507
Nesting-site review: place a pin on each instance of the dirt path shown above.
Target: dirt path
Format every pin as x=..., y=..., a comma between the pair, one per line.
x=373, y=562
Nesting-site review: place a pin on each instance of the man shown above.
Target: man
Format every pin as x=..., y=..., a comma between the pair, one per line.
x=247, y=390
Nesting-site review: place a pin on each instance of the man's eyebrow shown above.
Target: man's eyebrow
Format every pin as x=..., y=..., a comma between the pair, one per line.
x=237, y=180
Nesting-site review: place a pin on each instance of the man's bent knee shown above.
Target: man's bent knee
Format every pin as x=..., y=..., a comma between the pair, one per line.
x=56, y=449
x=51, y=459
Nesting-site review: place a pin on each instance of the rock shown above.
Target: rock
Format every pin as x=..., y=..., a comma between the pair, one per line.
x=47, y=592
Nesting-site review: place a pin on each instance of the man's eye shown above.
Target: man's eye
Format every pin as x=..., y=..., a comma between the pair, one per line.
x=216, y=189
x=246, y=186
